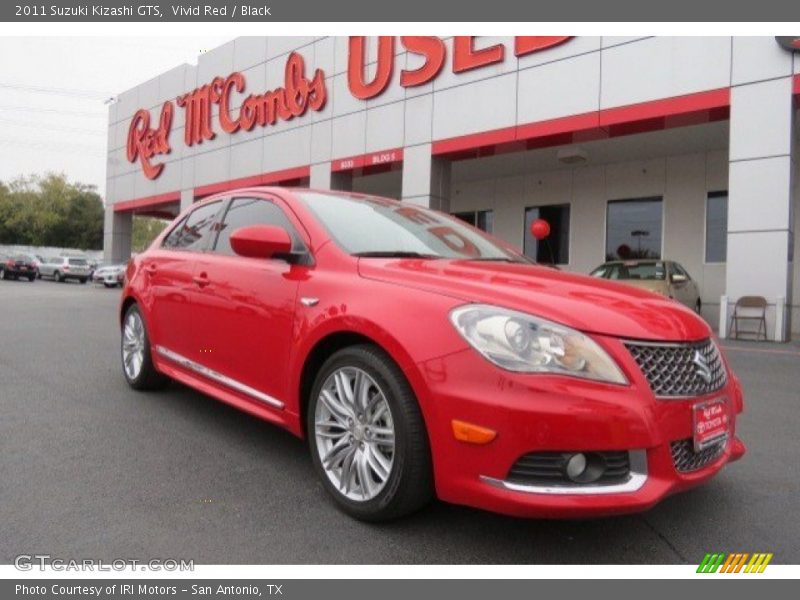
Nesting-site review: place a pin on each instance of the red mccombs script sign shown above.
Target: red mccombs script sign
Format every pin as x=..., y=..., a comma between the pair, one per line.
x=302, y=91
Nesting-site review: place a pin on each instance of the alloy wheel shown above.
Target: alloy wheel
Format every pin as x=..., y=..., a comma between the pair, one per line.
x=355, y=434
x=133, y=345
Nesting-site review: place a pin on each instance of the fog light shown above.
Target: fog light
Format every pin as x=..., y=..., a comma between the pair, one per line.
x=576, y=466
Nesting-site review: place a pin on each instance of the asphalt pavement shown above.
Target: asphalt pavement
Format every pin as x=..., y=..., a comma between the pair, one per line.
x=92, y=469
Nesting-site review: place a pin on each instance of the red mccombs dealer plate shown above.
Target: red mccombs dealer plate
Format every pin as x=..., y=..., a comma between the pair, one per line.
x=710, y=423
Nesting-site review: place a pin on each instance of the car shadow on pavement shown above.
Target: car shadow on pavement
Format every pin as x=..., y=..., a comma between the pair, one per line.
x=272, y=461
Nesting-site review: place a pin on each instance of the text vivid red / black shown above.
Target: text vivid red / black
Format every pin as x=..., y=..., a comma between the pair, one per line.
x=301, y=93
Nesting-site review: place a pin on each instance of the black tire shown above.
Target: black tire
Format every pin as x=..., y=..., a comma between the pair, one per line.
x=410, y=484
x=38, y=276
x=698, y=307
x=148, y=378
x=57, y=277
x=83, y=280
x=108, y=285
x=31, y=278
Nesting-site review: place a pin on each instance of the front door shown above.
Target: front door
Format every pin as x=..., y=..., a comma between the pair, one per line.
x=246, y=306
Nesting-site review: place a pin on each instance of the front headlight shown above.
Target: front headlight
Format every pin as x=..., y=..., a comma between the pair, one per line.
x=520, y=342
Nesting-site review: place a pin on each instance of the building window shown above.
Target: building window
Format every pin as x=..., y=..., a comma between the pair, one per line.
x=633, y=229
x=482, y=219
x=555, y=248
x=717, y=227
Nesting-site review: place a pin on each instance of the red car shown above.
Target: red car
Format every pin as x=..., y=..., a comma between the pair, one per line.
x=421, y=357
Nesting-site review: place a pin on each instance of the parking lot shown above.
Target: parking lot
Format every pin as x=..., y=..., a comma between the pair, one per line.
x=90, y=468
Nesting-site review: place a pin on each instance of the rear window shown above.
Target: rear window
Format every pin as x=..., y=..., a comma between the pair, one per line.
x=78, y=262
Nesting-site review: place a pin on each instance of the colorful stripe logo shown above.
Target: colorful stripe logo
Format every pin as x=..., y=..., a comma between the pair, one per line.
x=735, y=563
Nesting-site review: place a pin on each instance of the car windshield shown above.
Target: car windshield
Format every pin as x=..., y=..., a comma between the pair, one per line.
x=78, y=261
x=653, y=271
x=370, y=226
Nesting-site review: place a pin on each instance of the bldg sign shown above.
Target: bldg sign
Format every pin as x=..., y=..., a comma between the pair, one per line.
x=302, y=92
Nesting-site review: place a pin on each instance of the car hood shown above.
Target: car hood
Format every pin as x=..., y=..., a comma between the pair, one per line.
x=586, y=303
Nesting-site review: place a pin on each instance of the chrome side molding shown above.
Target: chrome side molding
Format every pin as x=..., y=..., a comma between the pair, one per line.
x=218, y=377
x=636, y=479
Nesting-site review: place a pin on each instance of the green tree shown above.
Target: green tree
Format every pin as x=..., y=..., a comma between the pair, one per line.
x=145, y=230
x=49, y=210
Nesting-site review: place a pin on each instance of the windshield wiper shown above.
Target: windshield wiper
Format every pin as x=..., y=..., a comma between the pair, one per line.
x=493, y=259
x=395, y=254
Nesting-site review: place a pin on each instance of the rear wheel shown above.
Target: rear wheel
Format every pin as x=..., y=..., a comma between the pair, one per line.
x=83, y=280
x=31, y=278
x=368, y=440
x=58, y=277
x=137, y=364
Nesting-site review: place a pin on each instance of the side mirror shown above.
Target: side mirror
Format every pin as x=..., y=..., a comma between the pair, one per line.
x=261, y=241
x=678, y=278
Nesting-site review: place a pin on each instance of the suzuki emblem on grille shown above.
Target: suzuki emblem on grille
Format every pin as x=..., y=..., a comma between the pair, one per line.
x=701, y=366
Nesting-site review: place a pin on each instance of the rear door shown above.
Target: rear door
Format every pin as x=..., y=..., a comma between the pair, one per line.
x=246, y=306
x=169, y=271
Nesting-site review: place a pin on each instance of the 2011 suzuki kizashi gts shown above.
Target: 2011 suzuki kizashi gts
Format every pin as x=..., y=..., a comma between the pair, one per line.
x=421, y=357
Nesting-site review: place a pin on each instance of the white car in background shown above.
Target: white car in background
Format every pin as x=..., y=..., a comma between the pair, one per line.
x=109, y=275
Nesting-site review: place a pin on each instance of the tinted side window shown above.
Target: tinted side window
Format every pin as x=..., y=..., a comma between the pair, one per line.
x=194, y=231
x=171, y=241
x=253, y=211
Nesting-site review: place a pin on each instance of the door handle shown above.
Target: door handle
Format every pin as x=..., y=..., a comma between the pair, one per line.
x=201, y=280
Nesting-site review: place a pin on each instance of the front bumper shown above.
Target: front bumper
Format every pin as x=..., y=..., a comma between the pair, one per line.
x=544, y=413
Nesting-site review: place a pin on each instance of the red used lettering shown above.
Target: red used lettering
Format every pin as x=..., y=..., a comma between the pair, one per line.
x=466, y=57
x=525, y=44
x=434, y=51
x=356, y=60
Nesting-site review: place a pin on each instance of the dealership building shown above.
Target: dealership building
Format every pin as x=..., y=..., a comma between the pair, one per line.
x=679, y=148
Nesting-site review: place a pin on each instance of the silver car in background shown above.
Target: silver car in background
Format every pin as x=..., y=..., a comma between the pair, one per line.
x=66, y=267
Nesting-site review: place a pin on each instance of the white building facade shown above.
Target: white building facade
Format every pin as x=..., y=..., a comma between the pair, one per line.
x=676, y=148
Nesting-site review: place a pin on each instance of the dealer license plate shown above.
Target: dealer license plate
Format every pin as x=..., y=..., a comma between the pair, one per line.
x=710, y=423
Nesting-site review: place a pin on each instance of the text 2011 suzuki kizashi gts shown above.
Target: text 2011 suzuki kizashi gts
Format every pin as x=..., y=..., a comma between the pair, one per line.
x=422, y=357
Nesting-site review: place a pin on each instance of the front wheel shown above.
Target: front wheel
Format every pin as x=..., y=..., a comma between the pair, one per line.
x=137, y=364
x=57, y=277
x=368, y=440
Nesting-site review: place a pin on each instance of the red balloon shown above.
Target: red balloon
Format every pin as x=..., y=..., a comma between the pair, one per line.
x=540, y=229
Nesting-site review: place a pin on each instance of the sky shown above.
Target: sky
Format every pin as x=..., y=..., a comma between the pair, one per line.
x=53, y=94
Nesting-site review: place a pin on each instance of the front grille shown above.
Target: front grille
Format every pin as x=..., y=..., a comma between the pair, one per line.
x=550, y=468
x=686, y=459
x=676, y=370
